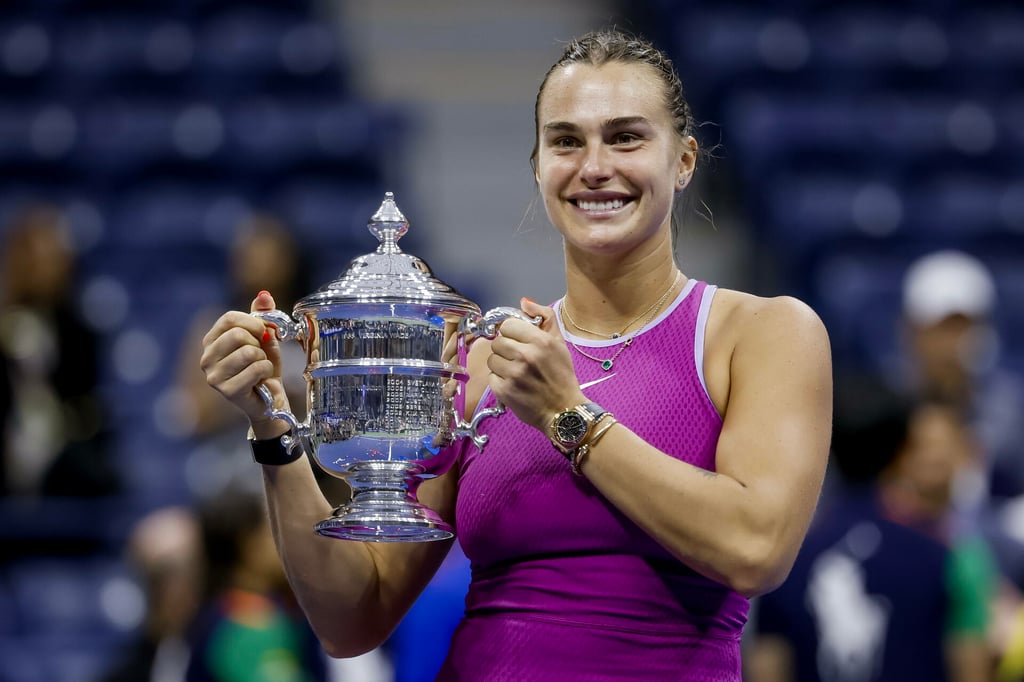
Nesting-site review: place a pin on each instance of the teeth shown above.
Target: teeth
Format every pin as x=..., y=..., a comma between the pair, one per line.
x=601, y=205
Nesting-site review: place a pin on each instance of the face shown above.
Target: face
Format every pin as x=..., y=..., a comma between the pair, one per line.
x=945, y=352
x=609, y=160
x=938, y=447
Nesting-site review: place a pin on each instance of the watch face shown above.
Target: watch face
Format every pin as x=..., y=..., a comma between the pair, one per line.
x=570, y=428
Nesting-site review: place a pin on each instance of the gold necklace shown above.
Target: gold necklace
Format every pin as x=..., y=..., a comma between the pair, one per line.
x=656, y=304
x=608, y=363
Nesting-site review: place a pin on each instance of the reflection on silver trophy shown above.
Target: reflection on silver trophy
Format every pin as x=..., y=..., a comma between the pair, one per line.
x=381, y=404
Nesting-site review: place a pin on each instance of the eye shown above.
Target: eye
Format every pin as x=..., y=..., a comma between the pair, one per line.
x=626, y=138
x=565, y=142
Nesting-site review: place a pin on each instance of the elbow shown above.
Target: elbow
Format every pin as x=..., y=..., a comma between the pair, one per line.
x=347, y=643
x=759, y=569
x=348, y=648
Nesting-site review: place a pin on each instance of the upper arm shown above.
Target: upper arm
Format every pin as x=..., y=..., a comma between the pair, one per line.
x=778, y=420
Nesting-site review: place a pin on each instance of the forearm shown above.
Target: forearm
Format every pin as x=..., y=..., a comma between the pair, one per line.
x=335, y=582
x=723, y=529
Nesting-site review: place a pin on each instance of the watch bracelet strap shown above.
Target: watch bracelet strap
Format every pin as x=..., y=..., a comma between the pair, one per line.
x=576, y=460
x=273, y=452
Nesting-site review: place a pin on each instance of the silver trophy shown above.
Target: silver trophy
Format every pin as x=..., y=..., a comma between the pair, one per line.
x=380, y=398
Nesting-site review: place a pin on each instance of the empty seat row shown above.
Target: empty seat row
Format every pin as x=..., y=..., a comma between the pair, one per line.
x=117, y=137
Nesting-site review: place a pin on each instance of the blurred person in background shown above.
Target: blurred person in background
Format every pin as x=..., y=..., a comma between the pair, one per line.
x=164, y=550
x=249, y=628
x=263, y=253
x=952, y=349
x=55, y=434
x=888, y=585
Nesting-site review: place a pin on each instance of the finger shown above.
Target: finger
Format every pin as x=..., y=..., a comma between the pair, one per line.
x=546, y=313
x=231, y=320
x=263, y=302
x=219, y=347
x=239, y=372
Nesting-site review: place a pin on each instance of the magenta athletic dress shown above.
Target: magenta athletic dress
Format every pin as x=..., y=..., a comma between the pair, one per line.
x=565, y=587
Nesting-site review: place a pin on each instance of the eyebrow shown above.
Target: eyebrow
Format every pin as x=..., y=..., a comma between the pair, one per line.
x=618, y=122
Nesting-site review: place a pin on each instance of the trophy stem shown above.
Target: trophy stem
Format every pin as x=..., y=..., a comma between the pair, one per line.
x=384, y=508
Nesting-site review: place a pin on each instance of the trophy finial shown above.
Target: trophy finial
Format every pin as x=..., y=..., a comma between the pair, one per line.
x=388, y=224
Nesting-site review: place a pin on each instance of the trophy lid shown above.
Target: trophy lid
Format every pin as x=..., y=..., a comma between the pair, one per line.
x=388, y=275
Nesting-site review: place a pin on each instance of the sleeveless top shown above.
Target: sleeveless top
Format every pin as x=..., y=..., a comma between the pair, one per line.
x=566, y=587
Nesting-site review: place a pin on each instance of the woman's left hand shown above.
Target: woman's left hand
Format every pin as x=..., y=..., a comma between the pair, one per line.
x=531, y=369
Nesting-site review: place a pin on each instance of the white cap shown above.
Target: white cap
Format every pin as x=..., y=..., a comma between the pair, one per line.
x=947, y=283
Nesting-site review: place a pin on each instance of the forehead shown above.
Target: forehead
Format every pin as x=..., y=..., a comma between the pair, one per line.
x=582, y=92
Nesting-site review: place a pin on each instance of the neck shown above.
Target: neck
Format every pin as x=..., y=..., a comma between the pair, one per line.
x=603, y=305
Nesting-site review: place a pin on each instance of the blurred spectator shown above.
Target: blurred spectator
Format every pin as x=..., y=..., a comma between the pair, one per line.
x=249, y=628
x=873, y=596
x=56, y=437
x=263, y=255
x=165, y=551
x=918, y=490
x=949, y=302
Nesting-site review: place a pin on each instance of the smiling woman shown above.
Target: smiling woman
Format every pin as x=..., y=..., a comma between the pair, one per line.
x=664, y=445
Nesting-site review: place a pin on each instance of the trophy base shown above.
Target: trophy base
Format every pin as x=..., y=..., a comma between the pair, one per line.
x=384, y=520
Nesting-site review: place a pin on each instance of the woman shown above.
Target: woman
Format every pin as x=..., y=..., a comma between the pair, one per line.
x=695, y=499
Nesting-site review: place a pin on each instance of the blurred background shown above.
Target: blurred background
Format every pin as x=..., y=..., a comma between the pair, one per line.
x=162, y=161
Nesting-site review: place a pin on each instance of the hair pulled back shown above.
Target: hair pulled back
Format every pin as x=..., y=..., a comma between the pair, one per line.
x=601, y=47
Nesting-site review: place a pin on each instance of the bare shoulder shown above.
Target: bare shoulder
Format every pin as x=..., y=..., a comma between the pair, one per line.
x=752, y=338
x=739, y=319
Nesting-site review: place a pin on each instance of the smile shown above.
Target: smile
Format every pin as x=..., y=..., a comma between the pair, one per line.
x=611, y=205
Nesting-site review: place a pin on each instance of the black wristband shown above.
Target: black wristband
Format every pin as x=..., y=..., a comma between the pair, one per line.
x=273, y=452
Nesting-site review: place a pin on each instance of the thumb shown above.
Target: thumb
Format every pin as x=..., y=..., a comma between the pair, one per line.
x=534, y=309
x=263, y=302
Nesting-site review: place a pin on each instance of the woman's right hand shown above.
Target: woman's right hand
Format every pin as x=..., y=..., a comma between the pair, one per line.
x=239, y=353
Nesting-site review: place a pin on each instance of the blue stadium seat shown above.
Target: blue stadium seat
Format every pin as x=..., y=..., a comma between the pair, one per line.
x=260, y=49
x=38, y=137
x=133, y=52
x=328, y=213
x=169, y=212
x=964, y=205
x=989, y=39
x=719, y=49
x=870, y=46
x=67, y=595
x=281, y=135
x=123, y=137
x=27, y=46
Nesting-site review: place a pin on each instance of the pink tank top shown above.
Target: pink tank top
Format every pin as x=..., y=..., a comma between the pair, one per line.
x=565, y=586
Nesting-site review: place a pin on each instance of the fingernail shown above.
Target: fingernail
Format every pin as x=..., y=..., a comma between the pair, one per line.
x=528, y=299
x=264, y=291
x=266, y=335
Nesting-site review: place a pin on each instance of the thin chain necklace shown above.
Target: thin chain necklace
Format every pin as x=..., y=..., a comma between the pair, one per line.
x=608, y=363
x=654, y=306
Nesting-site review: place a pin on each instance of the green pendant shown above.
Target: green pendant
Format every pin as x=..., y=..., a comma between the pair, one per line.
x=606, y=365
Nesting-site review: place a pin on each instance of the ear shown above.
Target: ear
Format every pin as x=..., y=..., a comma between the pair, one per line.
x=687, y=162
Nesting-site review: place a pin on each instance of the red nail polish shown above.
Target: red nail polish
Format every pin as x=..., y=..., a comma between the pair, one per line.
x=264, y=291
x=266, y=335
x=529, y=299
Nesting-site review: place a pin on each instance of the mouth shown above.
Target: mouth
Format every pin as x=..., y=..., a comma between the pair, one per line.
x=601, y=206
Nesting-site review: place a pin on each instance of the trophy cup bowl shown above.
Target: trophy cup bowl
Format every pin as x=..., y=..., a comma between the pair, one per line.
x=381, y=408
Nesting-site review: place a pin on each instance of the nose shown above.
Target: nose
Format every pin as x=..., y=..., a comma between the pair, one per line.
x=596, y=166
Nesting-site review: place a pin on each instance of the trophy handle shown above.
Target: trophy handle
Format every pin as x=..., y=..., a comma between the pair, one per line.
x=285, y=328
x=485, y=325
x=289, y=441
